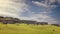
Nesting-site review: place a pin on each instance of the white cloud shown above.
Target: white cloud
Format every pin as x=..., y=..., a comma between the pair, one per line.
x=39, y=3
x=52, y=1
x=45, y=4
x=44, y=17
x=12, y=8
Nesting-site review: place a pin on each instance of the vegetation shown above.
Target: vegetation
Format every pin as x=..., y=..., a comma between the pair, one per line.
x=9, y=25
x=28, y=29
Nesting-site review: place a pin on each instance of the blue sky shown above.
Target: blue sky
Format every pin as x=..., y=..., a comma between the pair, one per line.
x=39, y=10
x=35, y=9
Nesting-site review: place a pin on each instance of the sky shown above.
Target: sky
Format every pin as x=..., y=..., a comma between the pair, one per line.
x=37, y=10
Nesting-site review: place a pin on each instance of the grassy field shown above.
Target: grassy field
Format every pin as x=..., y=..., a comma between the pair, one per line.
x=28, y=29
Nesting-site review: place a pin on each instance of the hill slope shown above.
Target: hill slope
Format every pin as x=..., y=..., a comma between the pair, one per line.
x=28, y=29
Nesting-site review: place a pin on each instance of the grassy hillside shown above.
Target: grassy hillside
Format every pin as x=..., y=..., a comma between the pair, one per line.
x=28, y=29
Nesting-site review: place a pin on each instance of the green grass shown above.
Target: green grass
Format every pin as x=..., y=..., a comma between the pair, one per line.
x=28, y=29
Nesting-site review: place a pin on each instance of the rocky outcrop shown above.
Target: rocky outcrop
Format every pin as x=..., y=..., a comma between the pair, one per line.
x=10, y=20
x=6, y=20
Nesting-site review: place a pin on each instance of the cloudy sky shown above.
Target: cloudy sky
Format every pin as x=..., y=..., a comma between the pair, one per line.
x=39, y=10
